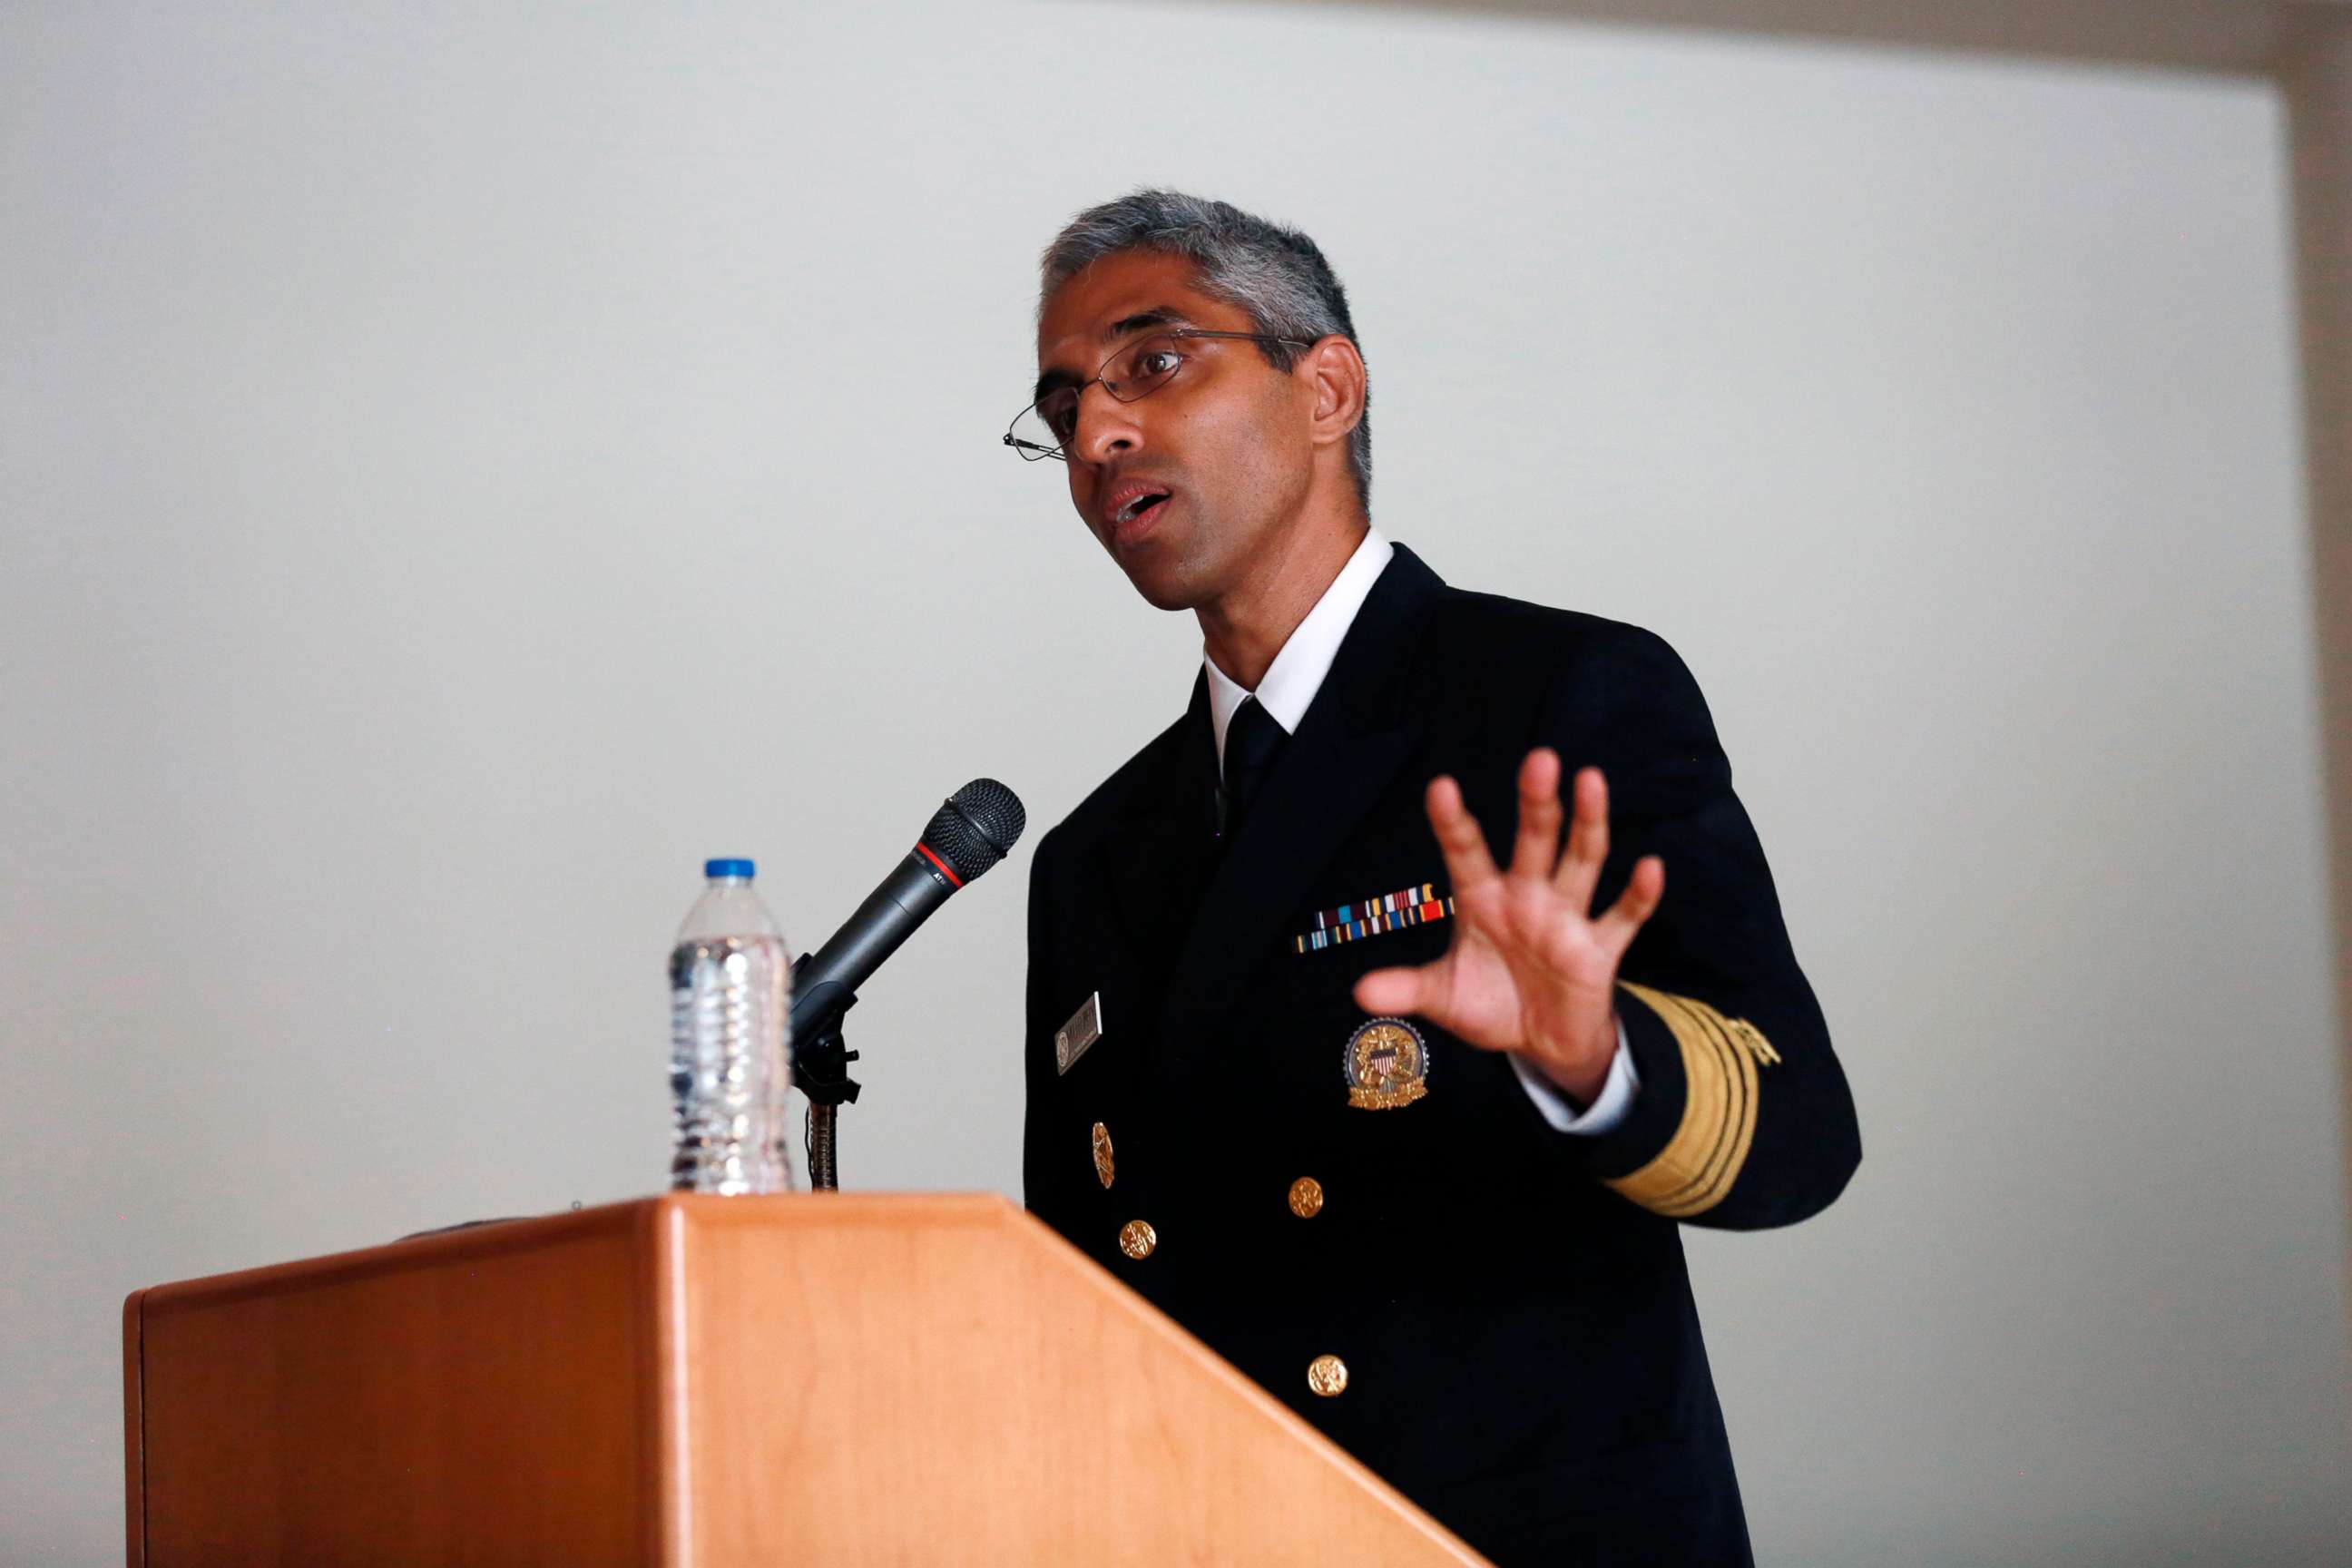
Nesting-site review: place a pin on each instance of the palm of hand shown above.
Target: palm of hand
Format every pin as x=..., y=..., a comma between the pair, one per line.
x=1521, y=969
x=1529, y=970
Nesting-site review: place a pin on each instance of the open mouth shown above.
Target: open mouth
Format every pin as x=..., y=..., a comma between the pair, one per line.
x=1133, y=511
x=1138, y=514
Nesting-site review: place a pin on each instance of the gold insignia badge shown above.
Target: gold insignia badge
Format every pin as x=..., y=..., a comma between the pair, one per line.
x=1386, y=1064
x=1103, y=1166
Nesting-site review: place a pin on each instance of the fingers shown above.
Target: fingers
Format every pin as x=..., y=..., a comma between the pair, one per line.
x=1644, y=889
x=1538, y=843
x=1588, y=841
x=1400, y=991
x=1578, y=874
x=1459, y=838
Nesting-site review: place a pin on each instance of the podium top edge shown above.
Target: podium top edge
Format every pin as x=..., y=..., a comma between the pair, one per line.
x=626, y=1219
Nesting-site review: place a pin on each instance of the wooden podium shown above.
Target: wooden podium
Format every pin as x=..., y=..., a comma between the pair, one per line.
x=700, y=1382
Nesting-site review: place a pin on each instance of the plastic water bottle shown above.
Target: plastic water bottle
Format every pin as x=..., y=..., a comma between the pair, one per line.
x=730, y=1064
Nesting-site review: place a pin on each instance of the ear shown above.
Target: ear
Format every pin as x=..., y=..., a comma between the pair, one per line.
x=1334, y=372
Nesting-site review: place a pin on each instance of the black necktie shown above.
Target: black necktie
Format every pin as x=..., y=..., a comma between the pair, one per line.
x=1253, y=739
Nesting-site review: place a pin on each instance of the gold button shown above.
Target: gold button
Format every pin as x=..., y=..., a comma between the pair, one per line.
x=1327, y=1376
x=1136, y=1239
x=1306, y=1198
x=1102, y=1167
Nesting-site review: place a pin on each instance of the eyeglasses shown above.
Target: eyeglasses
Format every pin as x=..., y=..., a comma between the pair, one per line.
x=1137, y=370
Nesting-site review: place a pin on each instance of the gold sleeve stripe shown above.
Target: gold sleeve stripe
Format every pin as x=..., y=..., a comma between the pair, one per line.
x=1731, y=1128
x=1720, y=1056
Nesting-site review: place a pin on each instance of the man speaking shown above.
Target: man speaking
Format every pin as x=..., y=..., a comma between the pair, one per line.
x=1337, y=1050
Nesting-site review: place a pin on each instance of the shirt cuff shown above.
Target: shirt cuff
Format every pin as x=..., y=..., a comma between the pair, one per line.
x=1608, y=1108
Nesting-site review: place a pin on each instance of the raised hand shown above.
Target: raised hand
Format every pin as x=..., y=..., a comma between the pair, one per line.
x=1530, y=970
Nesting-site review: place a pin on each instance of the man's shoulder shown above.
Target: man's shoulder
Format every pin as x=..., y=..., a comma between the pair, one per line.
x=1124, y=793
x=1498, y=635
x=1498, y=667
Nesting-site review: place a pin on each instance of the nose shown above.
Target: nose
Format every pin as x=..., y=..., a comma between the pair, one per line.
x=1106, y=427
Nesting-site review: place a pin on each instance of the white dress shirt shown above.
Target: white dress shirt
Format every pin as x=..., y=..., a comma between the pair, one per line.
x=1290, y=684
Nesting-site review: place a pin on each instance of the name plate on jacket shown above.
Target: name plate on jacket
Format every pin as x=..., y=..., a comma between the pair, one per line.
x=1071, y=1040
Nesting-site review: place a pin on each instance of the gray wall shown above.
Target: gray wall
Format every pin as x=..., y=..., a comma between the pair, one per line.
x=456, y=473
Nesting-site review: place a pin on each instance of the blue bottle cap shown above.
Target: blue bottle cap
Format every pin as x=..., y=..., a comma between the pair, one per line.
x=727, y=868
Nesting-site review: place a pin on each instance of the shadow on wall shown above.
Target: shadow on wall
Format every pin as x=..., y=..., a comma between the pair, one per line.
x=2227, y=36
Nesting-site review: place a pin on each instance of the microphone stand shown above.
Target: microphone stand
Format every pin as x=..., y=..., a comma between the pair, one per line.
x=821, y=1071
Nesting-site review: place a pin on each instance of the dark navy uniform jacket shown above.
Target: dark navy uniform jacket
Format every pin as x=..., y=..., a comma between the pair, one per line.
x=1509, y=1304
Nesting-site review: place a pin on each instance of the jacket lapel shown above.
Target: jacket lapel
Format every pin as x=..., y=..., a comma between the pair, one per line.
x=1357, y=732
x=1159, y=858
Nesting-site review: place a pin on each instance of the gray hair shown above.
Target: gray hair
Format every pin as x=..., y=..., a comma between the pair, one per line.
x=1276, y=274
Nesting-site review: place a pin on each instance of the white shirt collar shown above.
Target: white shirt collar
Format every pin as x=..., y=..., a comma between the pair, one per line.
x=1297, y=672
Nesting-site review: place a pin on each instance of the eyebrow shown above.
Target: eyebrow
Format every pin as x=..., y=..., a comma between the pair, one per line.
x=1157, y=315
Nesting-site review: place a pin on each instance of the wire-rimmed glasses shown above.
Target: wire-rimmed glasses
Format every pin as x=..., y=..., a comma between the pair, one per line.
x=1135, y=370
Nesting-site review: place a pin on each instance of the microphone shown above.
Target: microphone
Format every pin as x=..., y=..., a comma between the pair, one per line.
x=969, y=833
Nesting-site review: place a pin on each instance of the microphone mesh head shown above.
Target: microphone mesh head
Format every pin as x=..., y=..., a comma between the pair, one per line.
x=979, y=823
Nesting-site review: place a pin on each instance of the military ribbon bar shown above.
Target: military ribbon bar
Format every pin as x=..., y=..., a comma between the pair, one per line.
x=1393, y=911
